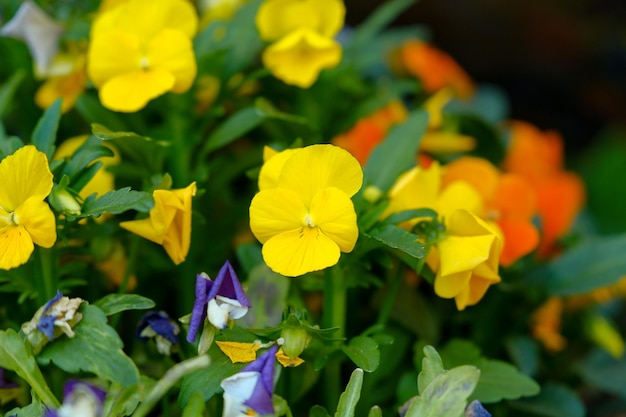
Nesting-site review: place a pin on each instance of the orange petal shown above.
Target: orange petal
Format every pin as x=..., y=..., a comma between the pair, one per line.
x=520, y=238
x=514, y=197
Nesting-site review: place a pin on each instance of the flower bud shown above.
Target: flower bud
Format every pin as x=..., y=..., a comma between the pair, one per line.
x=296, y=339
x=62, y=200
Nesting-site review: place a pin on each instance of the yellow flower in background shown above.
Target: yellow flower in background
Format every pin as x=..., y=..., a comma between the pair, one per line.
x=302, y=33
x=103, y=181
x=25, y=218
x=467, y=259
x=546, y=325
x=169, y=222
x=307, y=219
x=67, y=80
x=212, y=10
x=141, y=49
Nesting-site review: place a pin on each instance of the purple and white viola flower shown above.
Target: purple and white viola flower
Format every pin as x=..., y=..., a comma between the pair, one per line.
x=218, y=301
x=58, y=316
x=476, y=409
x=249, y=392
x=157, y=325
x=80, y=399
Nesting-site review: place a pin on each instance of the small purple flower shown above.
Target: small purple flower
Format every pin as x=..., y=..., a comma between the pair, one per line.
x=219, y=300
x=158, y=325
x=80, y=399
x=252, y=388
x=476, y=409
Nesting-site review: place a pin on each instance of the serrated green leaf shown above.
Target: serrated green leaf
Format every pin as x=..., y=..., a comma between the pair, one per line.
x=363, y=351
x=400, y=146
x=17, y=356
x=45, y=132
x=350, y=397
x=502, y=381
x=554, y=400
x=195, y=406
x=446, y=395
x=593, y=264
x=96, y=348
x=117, y=201
x=432, y=367
x=400, y=239
x=34, y=409
x=115, y=303
x=8, y=89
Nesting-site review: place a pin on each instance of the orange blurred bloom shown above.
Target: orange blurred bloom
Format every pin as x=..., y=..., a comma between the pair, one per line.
x=546, y=325
x=435, y=68
x=371, y=130
x=509, y=201
x=538, y=157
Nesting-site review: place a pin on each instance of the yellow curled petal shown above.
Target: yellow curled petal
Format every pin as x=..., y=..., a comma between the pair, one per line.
x=317, y=167
x=333, y=212
x=178, y=235
x=172, y=51
x=132, y=91
x=24, y=174
x=274, y=211
x=16, y=246
x=297, y=58
x=296, y=252
x=38, y=220
x=449, y=286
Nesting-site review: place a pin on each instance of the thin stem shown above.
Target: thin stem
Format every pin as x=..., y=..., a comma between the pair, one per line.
x=390, y=298
x=171, y=377
x=47, y=282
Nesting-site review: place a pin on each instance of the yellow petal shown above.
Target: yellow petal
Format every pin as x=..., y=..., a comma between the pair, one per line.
x=145, y=18
x=178, y=236
x=298, y=58
x=451, y=285
x=16, y=246
x=38, y=220
x=297, y=252
x=277, y=18
x=317, y=167
x=275, y=211
x=112, y=54
x=172, y=51
x=446, y=142
x=459, y=195
x=435, y=104
x=132, y=91
x=333, y=212
x=416, y=188
x=286, y=361
x=24, y=174
x=239, y=352
x=271, y=169
x=463, y=253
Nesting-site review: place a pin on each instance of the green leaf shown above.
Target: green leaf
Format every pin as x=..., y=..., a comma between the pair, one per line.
x=407, y=215
x=554, y=400
x=400, y=239
x=8, y=89
x=128, y=398
x=85, y=155
x=34, y=409
x=447, y=394
x=525, y=354
x=400, y=147
x=363, y=351
x=432, y=367
x=601, y=370
x=17, y=356
x=115, y=303
x=502, y=381
x=595, y=263
x=207, y=381
x=382, y=17
x=195, y=406
x=45, y=132
x=318, y=411
x=96, y=348
x=375, y=411
x=116, y=202
x=89, y=107
x=350, y=397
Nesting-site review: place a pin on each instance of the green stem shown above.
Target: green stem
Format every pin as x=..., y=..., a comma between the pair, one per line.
x=128, y=272
x=334, y=315
x=47, y=282
x=171, y=377
x=390, y=298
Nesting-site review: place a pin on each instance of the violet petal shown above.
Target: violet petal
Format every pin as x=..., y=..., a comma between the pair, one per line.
x=198, y=314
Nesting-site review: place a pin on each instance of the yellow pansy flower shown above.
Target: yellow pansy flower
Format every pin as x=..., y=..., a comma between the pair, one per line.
x=302, y=33
x=169, y=222
x=25, y=218
x=307, y=218
x=67, y=80
x=140, y=50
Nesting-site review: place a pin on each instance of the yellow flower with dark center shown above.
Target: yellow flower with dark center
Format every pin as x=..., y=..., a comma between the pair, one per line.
x=302, y=33
x=25, y=218
x=305, y=218
x=140, y=50
x=169, y=222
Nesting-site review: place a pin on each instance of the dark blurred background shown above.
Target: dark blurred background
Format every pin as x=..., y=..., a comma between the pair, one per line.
x=562, y=63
